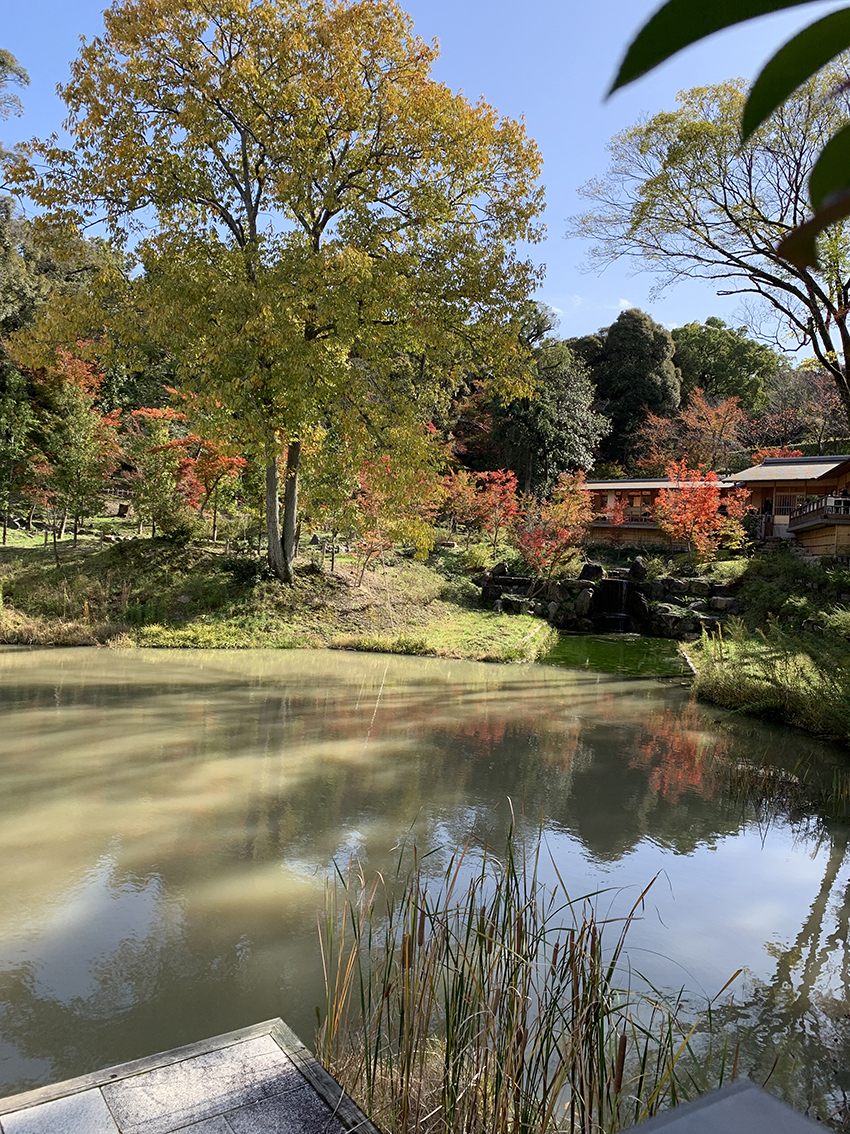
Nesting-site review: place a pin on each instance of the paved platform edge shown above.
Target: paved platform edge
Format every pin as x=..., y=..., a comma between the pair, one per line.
x=324, y=1085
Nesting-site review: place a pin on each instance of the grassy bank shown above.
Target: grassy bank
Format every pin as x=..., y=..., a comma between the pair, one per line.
x=777, y=674
x=786, y=655
x=151, y=593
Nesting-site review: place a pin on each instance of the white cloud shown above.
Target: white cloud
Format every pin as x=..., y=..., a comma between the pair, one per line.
x=624, y=305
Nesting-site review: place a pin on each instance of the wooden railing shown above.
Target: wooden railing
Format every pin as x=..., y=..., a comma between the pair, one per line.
x=630, y=516
x=825, y=507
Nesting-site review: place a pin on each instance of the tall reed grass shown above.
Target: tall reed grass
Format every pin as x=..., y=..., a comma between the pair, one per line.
x=485, y=1001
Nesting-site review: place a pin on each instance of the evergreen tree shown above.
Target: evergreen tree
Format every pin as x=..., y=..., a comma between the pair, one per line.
x=557, y=429
x=723, y=362
x=634, y=374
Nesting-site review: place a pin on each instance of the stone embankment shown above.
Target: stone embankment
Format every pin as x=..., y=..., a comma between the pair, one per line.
x=621, y=600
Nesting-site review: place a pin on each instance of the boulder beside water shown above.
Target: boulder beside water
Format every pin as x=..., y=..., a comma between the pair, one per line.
x=622, y=602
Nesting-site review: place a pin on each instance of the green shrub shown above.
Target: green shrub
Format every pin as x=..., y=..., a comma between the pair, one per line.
x=478, y=557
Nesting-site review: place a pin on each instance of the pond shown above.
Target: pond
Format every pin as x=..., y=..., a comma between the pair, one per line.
x=168, y=819
x=629, y=655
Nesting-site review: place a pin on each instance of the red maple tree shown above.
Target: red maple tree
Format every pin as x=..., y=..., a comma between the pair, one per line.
x=545, y=532
x=696, y=512
x=461, y=502
x=497, y=501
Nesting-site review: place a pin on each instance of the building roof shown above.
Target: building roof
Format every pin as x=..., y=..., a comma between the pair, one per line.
x=644, y=485
x=791, y=469
x=651, y=482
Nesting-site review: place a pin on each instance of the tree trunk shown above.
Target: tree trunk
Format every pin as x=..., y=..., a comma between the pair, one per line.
x=275, y=549
x=62, y=523
x=529, y=464
x=5, y=525
x=290, y=511
x=215, y=523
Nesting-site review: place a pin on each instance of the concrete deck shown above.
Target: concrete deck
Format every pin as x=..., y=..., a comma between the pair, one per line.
x=742, y=1108
x=258, y=1080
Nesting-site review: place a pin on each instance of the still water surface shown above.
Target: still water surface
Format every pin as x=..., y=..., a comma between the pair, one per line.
x=168, y=818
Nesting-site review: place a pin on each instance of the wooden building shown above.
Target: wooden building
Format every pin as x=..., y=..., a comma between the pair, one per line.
x=806, y=499
x=803, y=498
x=639, y=496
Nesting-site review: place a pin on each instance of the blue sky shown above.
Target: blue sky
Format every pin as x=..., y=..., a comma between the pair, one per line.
x=549, y=61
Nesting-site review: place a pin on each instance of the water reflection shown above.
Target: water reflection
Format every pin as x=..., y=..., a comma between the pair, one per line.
x=167, y=820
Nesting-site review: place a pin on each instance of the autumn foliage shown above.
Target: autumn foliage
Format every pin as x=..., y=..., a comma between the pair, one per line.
x=396, y=503
x=616, y=510
x=546, y=532
x=696, y=512
x=462, y=504
x=497, y=501
x=772, y=452
x=703, y=432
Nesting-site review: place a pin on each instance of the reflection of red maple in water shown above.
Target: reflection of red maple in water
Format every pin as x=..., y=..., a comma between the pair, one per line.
x=680, y=754
x=482, y=735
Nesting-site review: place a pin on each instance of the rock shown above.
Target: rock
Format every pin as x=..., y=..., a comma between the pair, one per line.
x=699, y=587
x=184, y=598
x=497, y=606
x=710, y=625
x=499, y=569
x=584, y=626
x=638, y=570
x=674, y=586
x=314, y=540
x=592, y=571
x=552, y=611
x=637, y=605
x=698, y=605
x=722, y=602
x=515, y=604
x=677, y=600
x=569, y=588
x=721, y=591
x=670, y=621
x=656, y=591
x=584, y=602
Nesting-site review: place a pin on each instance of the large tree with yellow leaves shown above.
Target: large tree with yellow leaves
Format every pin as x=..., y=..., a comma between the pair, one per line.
x=311, y=210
